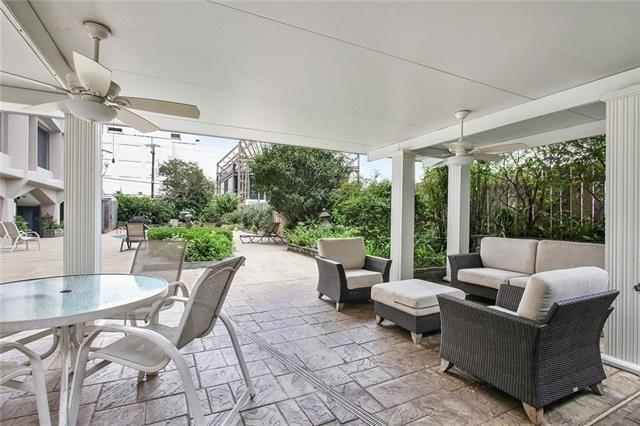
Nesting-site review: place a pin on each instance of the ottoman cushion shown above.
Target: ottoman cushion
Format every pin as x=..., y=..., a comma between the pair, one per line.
x=415, y=297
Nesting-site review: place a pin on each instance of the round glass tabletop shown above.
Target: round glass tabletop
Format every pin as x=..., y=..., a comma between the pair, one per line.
x=72, y=299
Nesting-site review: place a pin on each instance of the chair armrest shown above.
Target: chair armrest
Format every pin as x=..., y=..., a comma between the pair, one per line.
x=463, y=261
x=157, y=306
x=378, y=264
x=178, y=285
x=31, y=233
x=330, y=271
x=509, y=297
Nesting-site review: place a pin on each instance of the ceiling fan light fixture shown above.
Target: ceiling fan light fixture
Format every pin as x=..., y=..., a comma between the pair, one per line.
x=91, y=111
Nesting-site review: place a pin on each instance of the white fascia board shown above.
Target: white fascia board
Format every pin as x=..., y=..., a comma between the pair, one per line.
x=561, y=101
x=586, y=130
x=28, y=24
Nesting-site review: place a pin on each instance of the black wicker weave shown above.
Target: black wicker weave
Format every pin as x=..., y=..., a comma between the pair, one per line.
x=535, y=362
x=332, y=281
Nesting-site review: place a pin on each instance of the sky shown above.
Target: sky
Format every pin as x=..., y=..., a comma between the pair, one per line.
x=368, y=169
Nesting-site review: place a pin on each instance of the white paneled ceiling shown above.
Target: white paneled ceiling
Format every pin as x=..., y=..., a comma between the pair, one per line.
x=344, y=75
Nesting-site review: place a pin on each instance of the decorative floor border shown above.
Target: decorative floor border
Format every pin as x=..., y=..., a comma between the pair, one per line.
x=308, y=375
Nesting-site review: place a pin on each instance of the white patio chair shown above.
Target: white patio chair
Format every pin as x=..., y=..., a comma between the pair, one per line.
x=10, y=371
x=149, y=349
x=160, y=259
x=17, y=236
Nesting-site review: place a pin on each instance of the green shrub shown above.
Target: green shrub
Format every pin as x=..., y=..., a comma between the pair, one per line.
x=218, y=207
x=47, y=223
x=256, y=216
x=307, y=234
x=157, y=210
x=21, y=223
x=205, y=244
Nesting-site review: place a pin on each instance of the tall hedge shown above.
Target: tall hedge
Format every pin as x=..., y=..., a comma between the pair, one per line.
x=157, y=210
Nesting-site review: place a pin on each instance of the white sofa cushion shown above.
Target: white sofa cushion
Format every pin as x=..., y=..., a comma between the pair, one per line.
x=488, y=277
x=546, y=288
x=519, y=281
x=361, y=278
x=510, y=254
x=415, y=297
x=552, y=255
x=347, y=251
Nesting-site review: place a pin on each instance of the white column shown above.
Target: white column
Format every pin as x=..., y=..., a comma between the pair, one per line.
x=403, y=187
x=622, y=227
x=83, y=196
x=458, y=206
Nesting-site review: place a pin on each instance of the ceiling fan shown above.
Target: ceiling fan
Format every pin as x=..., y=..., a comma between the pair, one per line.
x=464, y=152
x=90, y=94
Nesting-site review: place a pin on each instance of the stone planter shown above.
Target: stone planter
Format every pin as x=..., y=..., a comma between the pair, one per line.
x=305, y=251
x=52, y=233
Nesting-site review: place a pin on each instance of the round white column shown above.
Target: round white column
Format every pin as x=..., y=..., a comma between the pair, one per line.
x=622, y=233
x=83, y=196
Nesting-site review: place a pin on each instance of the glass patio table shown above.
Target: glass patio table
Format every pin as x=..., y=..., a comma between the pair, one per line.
x=66, y=303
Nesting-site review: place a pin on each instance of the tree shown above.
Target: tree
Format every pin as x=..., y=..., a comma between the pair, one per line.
x=298, y=181
x=186, y=185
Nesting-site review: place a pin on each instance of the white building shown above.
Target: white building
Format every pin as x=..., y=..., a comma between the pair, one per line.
x=31, y=168
x=129, y=160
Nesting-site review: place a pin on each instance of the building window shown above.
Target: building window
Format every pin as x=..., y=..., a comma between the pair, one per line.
x=43, y=148
x=175, y=136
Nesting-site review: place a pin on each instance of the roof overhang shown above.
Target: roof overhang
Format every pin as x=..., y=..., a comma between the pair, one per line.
x=384, y=77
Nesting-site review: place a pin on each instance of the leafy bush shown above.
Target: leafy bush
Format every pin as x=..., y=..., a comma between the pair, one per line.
x=186, y=185
x=307, y=234
x=219, y=206
x=255, y=216
x=21, y=223
x=157, y=210
x=47, y=223
x=205, y=244
x=232, y=218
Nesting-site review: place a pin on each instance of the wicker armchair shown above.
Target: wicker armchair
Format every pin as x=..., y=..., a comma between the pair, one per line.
x=537, y=362
x=345, y=273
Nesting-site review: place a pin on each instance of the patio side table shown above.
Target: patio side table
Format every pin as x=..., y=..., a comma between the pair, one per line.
x=66, y=303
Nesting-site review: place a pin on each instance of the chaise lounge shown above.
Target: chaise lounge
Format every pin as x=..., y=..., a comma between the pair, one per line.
x=512, y=261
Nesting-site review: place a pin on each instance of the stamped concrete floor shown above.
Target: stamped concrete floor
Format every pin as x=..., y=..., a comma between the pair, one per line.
x=311, y=365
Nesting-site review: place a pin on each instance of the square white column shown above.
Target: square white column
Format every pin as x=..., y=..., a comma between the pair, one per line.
x=622, y=227
x=403, y=187
x=458, y=206
x=83, y=196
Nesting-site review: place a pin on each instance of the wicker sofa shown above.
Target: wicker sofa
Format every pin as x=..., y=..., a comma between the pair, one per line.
x=346, y=273
x=512, y=261
x=538, y=344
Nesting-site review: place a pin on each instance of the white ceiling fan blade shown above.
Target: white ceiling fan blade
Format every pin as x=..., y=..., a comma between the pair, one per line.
x=162, y=107
x=499, y=149
x=134, y=120
x=91, y=74
x=21, y=95
x=11, y=76
x=482, y=156
x=432, y=163
x=46, y=108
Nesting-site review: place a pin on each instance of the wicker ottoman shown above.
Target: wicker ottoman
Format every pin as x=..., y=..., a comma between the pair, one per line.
x=411, y=304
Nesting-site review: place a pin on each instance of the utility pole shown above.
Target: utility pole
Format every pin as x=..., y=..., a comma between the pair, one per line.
x=153, y=166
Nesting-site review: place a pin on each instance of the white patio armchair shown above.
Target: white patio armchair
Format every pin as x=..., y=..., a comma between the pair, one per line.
x=149, y=349
x=160, y=259
x=10, y=371
x=17, y=237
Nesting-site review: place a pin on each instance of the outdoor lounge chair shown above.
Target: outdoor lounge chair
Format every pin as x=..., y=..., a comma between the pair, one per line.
x=17, y=237
x=149, y=349
x=160, y=259
x=538, y=344
x=346, y=273
x=269, y=233
x=10, y=371
x=136, y=232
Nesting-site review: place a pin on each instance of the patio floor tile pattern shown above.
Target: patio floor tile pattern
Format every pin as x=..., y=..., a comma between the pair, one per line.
x=311, y=365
